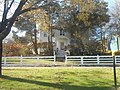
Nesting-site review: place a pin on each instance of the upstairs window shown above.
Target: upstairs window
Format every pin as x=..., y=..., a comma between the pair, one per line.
x=62, y=32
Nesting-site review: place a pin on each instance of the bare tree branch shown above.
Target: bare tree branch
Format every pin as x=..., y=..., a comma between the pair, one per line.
x=19, y=8
x=32, y=8
x=4, y=11
x=11, y=21
x=11, y=4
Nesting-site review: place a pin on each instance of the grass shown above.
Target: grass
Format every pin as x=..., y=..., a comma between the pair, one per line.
x=58, y=78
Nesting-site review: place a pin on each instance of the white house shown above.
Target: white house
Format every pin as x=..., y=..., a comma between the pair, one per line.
x=60, y=40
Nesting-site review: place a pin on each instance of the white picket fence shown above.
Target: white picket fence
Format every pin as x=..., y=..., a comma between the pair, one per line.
x=91, y=60
x=29, y=60
x=69, y=60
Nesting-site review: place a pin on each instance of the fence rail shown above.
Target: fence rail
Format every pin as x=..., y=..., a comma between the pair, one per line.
x=51, y=60
x=91, y=60
x=28, y=60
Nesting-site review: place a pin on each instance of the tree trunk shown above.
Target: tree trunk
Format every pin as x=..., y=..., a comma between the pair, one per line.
x=102, y=40
x=35, y=43
x=51, y=45
x=0, y=58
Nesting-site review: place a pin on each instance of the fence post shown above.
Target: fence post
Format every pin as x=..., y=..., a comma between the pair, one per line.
x=115, y=60
x=5, y=60
x=98, y=59
x=37, y=60
x=54, y=57
x=21, y=59
x=81, y=60
x=66, y=59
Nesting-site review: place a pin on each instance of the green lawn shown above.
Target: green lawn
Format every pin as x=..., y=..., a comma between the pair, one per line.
x=58, y=78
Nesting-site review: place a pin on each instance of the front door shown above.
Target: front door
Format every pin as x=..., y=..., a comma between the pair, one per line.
x=62, y=45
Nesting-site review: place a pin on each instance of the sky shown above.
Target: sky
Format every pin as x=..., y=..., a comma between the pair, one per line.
x=111, y=3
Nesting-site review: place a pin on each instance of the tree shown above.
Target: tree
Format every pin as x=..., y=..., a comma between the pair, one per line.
x=28, y=21
x=60, y=15
x=7, y=22
x=114, y=24
x=14, y=49
x=92, y=14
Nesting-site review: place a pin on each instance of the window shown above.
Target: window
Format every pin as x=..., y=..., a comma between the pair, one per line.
x=53, y=34
x=62, y=32
x=62, y=45
x=45, y=34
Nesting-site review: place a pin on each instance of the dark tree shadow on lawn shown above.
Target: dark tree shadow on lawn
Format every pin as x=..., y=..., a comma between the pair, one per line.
x=61, y=86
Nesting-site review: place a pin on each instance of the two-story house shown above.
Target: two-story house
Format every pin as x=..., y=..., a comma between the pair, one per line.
x=60, y=40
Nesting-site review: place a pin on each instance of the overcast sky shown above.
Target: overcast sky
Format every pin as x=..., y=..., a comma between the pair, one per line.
x=111, y=3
